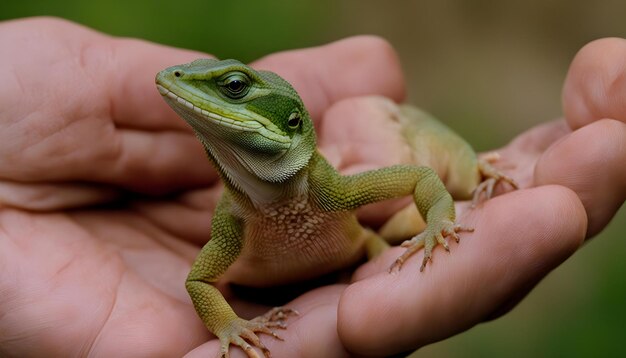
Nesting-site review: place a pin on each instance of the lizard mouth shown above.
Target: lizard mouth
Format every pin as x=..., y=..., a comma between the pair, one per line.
x=244, y=125
x=259, y=126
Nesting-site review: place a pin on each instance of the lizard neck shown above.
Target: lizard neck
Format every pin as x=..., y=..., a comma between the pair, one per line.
x=251, y=188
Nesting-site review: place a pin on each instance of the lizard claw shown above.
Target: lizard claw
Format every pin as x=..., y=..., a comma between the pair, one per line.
x=433, y=235
x=492, y=177
x=278, y=314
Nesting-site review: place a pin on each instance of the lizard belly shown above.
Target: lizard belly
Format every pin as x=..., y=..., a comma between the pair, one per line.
x=295, y=241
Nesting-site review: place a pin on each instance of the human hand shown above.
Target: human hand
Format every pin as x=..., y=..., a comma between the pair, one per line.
x=81, y=122
x=137, y=304
x=572, y=175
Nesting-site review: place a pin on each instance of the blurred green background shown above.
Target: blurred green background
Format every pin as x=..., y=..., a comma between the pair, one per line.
x=489, y=69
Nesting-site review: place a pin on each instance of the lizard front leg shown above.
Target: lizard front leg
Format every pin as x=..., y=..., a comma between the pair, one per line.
x=336, y=192
x=214, y=258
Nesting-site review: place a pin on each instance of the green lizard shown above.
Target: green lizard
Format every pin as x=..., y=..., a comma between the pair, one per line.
x=286, y=214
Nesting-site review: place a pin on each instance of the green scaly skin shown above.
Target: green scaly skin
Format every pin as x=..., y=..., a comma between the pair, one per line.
x=286, y=213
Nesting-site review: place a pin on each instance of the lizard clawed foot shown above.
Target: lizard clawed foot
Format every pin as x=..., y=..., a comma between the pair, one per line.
x=243, y=333
x=493, y=177
x=428, y=239
x=277, y=314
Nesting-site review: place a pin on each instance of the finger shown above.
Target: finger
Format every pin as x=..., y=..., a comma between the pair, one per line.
x=92, y=73
x=147, y=162
x=518, y=239
x=595, y=87
x=71, y=131
x=186, y=216
x=590, y=161
x=152, y=162
x=43, y=197
x=129, y=72
x=346, y=68
x=169, y=158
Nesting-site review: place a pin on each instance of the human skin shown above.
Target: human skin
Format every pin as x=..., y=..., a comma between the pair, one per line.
x=81, y=123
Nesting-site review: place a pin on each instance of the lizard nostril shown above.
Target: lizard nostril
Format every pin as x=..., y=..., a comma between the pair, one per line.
x=177, y=73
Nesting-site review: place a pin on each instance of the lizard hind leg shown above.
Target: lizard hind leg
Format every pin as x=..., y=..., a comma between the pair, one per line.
x=492, y=176
x=374, y=244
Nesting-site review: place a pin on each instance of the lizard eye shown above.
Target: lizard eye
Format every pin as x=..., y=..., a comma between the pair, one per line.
x=294, y=120
x=235, y=86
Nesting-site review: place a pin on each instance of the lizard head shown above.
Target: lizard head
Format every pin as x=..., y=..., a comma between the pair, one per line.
x=250, y=122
